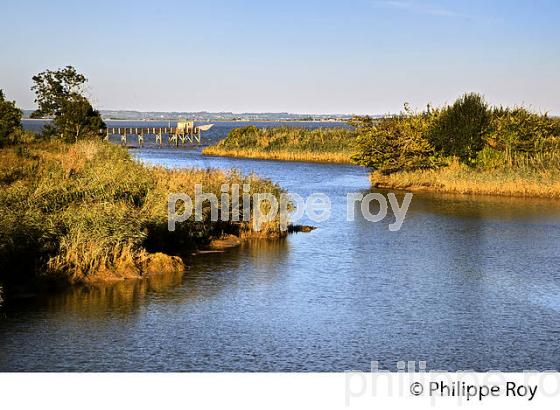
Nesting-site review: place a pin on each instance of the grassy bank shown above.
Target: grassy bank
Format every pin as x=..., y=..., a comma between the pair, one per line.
x=467, y=147
x=287, y=143
x=87, y=212
x=462, y=179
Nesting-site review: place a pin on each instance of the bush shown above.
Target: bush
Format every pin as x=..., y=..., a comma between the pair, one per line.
x=511, y=139
x=519, y=131
x=460, y=128
x=20, y=136
x=395, y=144
x=10, y=120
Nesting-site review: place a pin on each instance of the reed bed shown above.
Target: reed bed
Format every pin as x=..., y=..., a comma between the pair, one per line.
x=281, y=155
x=459, y=178
x=335, y=145
x=87, y=211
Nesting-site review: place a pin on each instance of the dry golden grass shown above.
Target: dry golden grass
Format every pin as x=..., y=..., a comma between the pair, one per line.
x=283, y=155
x=87, y=211
x=464, y=180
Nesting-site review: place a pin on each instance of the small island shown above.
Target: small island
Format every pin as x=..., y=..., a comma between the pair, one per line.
x=467, y=147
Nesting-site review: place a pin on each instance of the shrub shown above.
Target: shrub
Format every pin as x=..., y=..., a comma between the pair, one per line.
x=396, y=143
x=10, y=120
x=490, y=158
x=519, y=131
x=21, y=136
x=460, y=128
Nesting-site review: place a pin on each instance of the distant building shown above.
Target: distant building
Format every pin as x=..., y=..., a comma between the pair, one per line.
x=185, y=126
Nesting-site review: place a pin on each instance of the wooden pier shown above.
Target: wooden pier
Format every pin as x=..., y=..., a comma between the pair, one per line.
x=184, y=133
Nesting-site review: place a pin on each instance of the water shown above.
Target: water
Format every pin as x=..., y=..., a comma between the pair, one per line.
x=213, y=135
x=466, y=284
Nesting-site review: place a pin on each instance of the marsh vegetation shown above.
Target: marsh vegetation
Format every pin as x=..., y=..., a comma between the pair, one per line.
x=75, y=209
x=87, y=211
x=288, y=143
x=467, y=147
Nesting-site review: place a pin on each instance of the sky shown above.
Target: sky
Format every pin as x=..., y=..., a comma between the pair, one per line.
x=306, y=56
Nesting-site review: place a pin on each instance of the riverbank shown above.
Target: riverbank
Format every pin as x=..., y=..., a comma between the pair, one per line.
x=334, y=145
x=88, y=212
x=280, y=155
x=465, y=180
x=468, y=147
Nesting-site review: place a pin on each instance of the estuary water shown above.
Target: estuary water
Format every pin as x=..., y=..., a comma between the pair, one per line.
x=468, y=283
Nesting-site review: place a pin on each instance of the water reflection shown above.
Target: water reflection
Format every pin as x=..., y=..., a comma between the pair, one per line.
x=250, y=265
x=98, y=299
x=487, y=207
x=207, y=276
x=467, y=283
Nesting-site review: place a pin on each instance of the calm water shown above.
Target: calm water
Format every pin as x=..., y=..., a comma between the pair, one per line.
x=217, y=132
x=465, y=284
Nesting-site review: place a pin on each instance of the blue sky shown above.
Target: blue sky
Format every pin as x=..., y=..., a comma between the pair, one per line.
x=297, y=56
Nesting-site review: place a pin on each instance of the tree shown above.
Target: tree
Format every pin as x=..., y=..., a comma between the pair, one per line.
x=395, y=143
x=460, y=128
x=10, y=119
x=60, y=95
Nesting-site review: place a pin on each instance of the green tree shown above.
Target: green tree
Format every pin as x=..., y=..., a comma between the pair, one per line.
x=460, y=128
x=10, y=119
x=395, y=143
x=60, y=96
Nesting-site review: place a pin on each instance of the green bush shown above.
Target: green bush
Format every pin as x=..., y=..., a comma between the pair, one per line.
x=10, y=120
x=468, y=131
x=490, y=158
x=460, y=128
x=518, y=130
x=396, y=143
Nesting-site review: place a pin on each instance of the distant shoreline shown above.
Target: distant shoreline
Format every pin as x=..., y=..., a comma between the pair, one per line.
x=175, y=119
